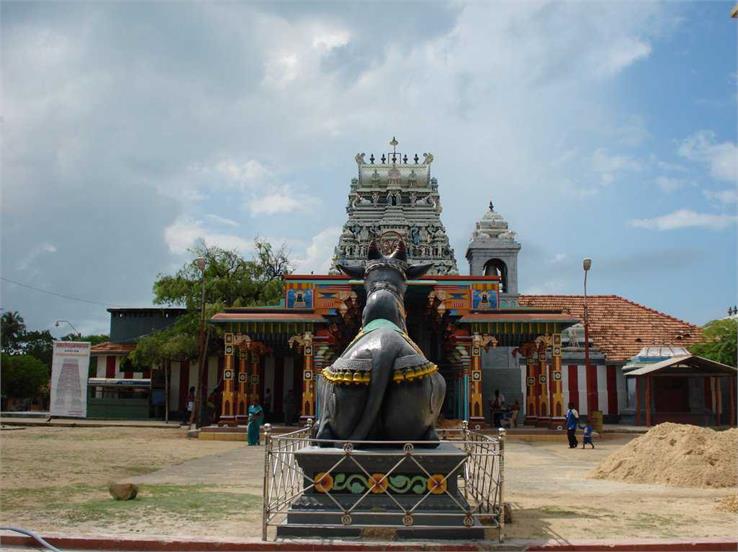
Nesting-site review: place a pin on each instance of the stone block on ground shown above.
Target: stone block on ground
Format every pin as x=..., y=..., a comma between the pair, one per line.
x=123, y=491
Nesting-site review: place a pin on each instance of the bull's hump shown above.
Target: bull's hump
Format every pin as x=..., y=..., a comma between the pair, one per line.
x=381, y=339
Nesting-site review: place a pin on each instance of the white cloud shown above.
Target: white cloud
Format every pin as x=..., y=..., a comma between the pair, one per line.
x=721, y=158
x=632, y=132
x=670, y=184
x=724, y=197
x=623, y=53
x=33, y=254
x=281, y=69
x=185, y=233
x=329, y=40
x=685, y=218
x=319, y=253
x=244, y=174
x=283, y=201
x=608, y=166
x=223, y=221
x=558, y=258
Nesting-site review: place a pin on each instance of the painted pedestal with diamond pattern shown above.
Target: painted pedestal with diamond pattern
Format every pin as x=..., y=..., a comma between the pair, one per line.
x=409, y=493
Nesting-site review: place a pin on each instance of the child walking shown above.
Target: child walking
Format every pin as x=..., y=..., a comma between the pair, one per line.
x=587, y=435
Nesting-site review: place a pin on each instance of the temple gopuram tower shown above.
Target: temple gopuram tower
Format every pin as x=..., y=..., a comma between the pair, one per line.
x=395, y=198
x=493, y=251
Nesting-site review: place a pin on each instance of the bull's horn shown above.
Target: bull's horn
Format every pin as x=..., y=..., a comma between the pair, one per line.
x=400, y=252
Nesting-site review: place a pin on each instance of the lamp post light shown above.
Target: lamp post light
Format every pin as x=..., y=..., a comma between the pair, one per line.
x=198, y=410
x=59, y=323
x=586, y=265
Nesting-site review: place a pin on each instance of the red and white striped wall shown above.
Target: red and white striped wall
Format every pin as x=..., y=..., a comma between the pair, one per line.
x=111, y=366
x=597, y=387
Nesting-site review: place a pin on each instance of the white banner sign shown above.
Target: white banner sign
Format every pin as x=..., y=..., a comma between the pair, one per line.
x=69, y=378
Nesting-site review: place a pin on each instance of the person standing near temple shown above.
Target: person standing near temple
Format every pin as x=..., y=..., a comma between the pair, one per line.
x=189, y=407
x=290, y=407
x=268, y=405
x=572, y=421
x=497, y=405
x=256, y=419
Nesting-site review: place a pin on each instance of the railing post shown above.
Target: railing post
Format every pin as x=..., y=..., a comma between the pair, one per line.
x=309, y=426
x=501, y=441
x=267, y=477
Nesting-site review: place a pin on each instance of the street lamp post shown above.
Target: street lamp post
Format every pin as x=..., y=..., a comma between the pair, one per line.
x=586, y=265
x=59, y=323
x=197, y=411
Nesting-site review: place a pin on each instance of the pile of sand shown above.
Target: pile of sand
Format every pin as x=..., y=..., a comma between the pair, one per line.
x=678, y=455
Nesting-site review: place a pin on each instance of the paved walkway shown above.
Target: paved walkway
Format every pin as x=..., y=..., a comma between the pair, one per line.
x=36, y=421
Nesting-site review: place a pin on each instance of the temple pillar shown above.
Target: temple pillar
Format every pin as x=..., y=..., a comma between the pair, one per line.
x=530, y=380
x=255, y=378
x=476, y=402
x=476, y=409
x=558, y=397
x=242, y=400
x=227, y=412
x=542, y=386
x=305, y=342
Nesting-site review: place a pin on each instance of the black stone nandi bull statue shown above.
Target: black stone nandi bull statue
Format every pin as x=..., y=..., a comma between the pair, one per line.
x=382, y=387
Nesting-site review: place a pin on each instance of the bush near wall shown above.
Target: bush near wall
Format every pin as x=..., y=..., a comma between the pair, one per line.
x=22, y=376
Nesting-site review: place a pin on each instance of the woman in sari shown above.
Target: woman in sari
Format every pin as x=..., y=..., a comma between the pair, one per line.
x=256, y=418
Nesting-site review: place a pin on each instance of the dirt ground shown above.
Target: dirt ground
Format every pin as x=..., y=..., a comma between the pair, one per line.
x=552, y=497
x=55, y=480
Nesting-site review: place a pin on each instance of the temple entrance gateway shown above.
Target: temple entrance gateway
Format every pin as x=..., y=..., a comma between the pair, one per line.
x=471, y=327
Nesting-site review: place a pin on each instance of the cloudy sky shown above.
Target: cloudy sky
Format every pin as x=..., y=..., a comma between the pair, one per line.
x=130, y=130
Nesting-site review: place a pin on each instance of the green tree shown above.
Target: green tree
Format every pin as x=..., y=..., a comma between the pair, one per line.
x=230, y=279
x=719, y=340
x=12, y=328
x=23, y=376
x=38, y=343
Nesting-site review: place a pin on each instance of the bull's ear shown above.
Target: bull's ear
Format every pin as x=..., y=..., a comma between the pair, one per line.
x=416, y=271
x=373, y=252
x=355, y=271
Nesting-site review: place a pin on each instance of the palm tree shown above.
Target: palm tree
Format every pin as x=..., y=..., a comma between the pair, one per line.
x=12, y=327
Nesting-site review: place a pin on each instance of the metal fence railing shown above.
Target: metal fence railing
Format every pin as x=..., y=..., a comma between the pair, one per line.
x=478, y=477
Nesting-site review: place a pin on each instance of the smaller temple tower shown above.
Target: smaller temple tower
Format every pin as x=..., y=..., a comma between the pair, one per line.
x=493, y=251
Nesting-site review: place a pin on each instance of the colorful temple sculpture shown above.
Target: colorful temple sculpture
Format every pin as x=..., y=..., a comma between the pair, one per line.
x=457, y=321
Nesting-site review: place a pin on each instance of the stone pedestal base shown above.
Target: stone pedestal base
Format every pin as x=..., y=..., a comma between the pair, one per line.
x=327, y=509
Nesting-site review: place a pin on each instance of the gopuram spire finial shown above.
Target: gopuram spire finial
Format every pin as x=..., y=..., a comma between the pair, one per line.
x=491, y=206
x=394, y=143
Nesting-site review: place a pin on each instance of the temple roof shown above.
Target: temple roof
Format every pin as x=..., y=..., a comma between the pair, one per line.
x=493, y=225
x=685, y=365
x=109, y=348
x=620, y=328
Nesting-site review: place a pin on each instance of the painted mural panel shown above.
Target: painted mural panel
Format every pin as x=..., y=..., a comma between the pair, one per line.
x=485, y=296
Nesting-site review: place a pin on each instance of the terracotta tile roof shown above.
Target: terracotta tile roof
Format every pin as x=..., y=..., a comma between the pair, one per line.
x=108, y=348
x=619, y=327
